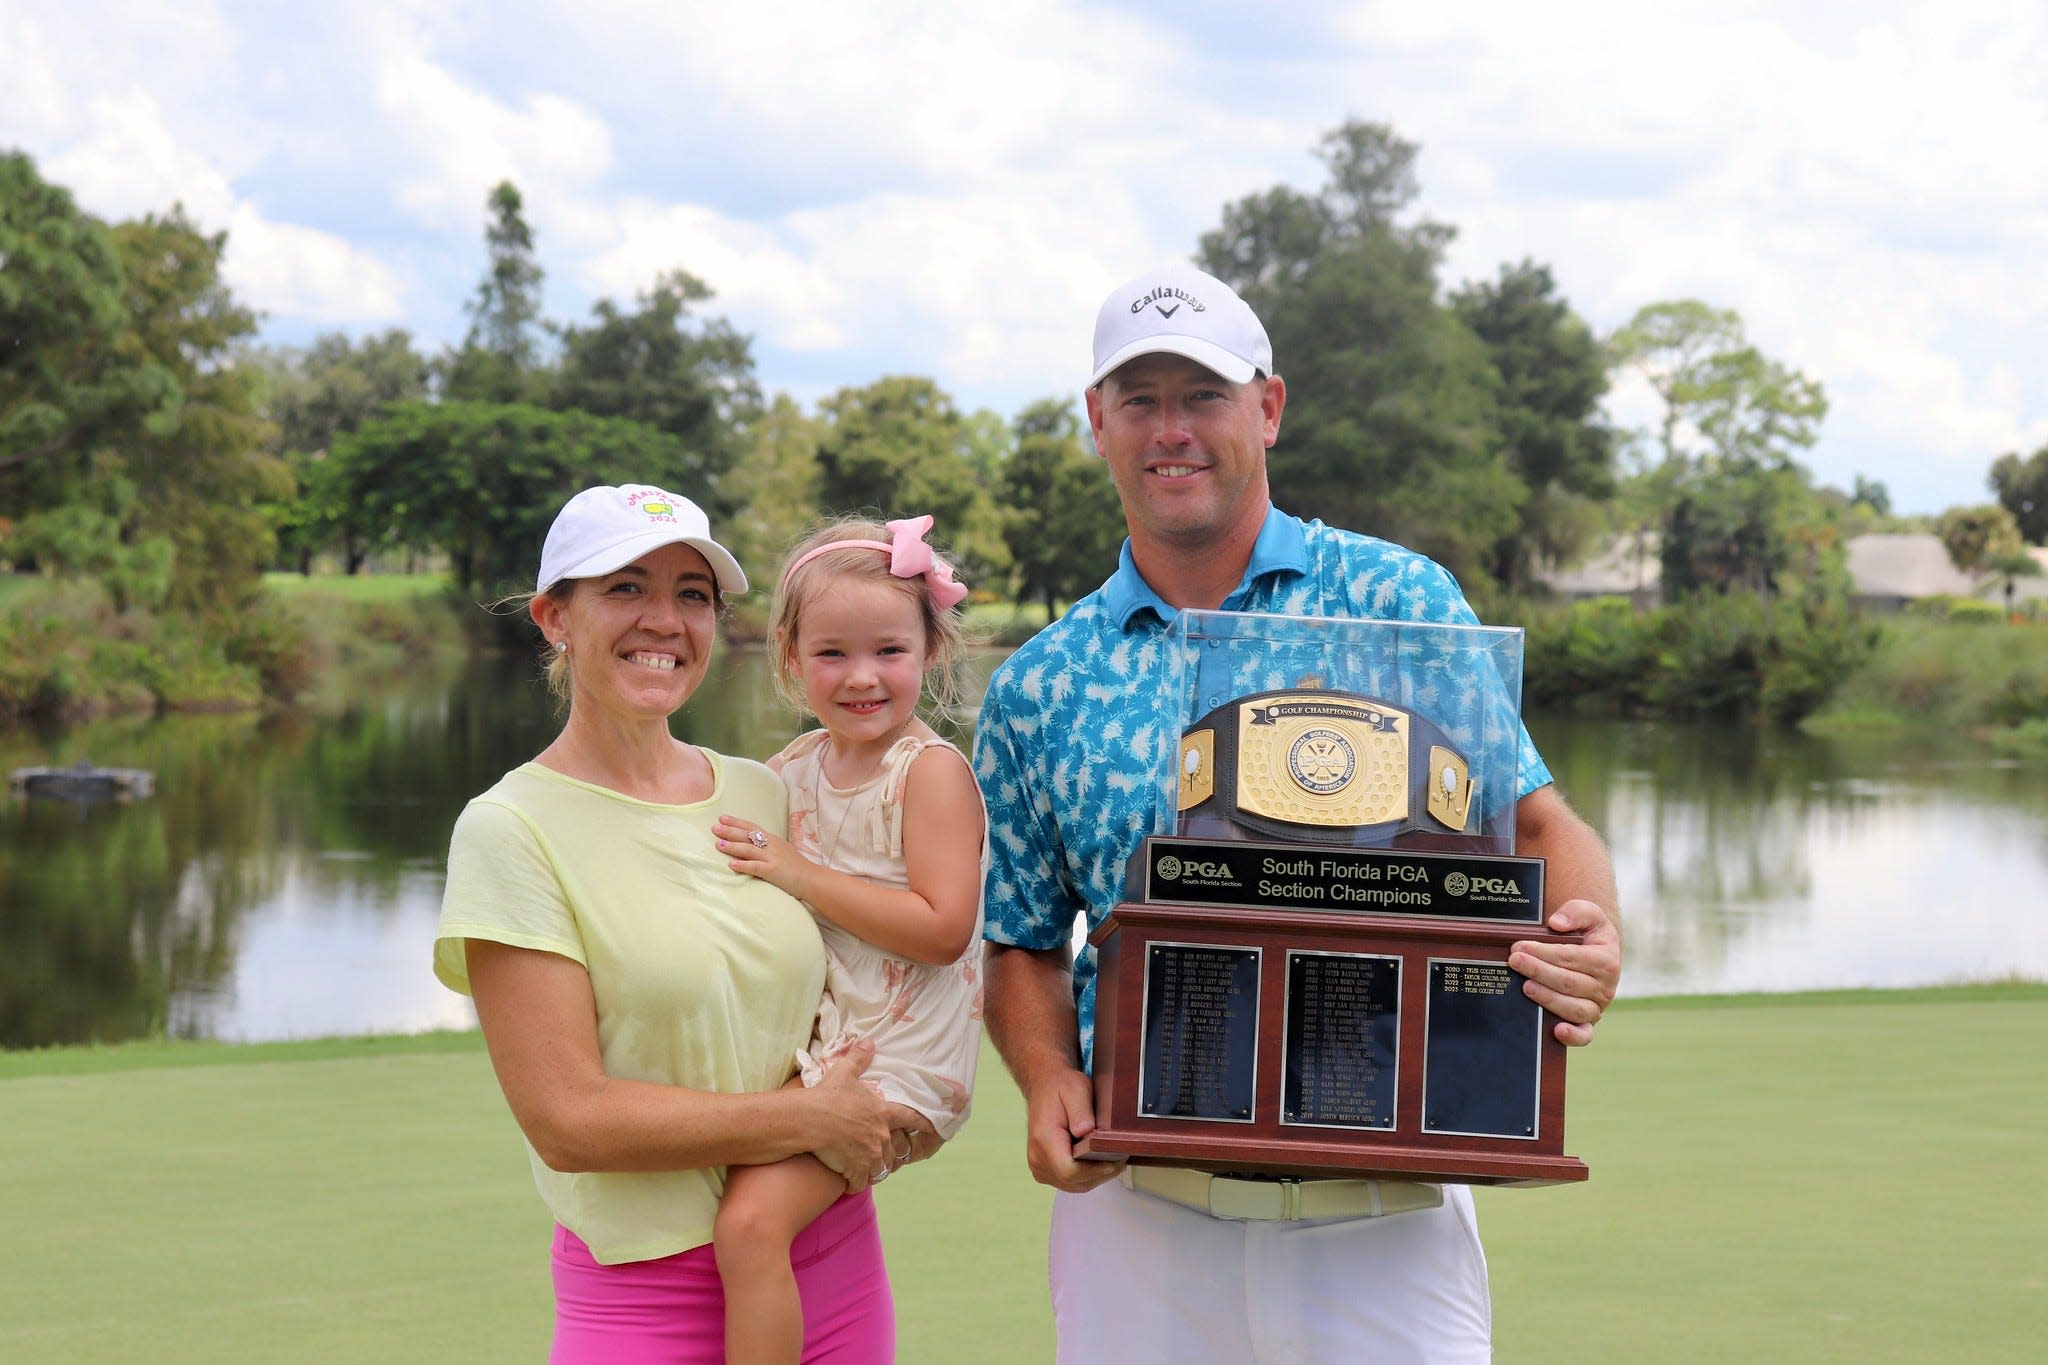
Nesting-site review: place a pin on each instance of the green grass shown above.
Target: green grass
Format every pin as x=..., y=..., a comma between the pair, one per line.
x=375, y=587
x=1774, y=1178
x=14, y=586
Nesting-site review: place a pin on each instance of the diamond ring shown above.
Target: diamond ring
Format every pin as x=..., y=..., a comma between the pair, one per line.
x=758, y=839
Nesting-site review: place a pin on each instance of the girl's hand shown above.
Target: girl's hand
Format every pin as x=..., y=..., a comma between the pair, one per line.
x=754, y=852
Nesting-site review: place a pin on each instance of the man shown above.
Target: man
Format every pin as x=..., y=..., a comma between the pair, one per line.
x=1184, y=404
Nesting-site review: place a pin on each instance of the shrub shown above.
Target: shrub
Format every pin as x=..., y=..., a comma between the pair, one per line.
x=1714, y=654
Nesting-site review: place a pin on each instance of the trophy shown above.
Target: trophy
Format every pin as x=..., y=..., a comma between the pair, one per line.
x=1308, y=975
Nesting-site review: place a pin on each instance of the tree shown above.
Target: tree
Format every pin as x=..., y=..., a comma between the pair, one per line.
x=1985, y=542
x=898, y=446
x=1976, y=536
x=1724, y=400
x=1736, y=509
x=503, y=344
x=66, y=377
x=773, y=487
x=692, y=378
x=1390, y=424
x=337, y=384
x=312, y=398
x=482, y=481
x=1553, y=374
x=1872, y=494
x=202, y=476
x=1062, y=522
x=1670, y=345
x=2008, y=568
x=132, y=446
x=2022, y=489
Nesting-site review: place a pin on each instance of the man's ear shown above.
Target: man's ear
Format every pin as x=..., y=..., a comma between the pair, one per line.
x=1093, y=399
x=1272, y=401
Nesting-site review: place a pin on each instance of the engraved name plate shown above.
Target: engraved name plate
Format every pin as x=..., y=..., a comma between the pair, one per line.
x=1200, y=1032
x=1343, y=1040
x=1480, y=1057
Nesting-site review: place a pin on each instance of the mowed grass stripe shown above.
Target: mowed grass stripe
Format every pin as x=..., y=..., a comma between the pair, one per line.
x=1854, y=1183
x=1848, y=1181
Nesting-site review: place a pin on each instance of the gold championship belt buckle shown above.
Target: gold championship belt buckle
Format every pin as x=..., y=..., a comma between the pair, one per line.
x=1326, y=767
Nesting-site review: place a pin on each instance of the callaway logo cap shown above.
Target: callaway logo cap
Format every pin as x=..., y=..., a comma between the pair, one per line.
x=1178, y=309
x=606, y=528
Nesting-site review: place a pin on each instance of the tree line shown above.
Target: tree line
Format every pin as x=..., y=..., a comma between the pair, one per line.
x=149, y=443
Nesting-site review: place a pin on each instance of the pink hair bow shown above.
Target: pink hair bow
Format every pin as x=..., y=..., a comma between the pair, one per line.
x=910, y=557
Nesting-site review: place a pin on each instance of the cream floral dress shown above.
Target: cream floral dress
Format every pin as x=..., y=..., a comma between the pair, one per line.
x=924, y=1021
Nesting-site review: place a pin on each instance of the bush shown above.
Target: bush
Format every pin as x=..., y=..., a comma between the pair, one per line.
x=272, y=643
x=1967, y=611
x=1950, y=675
x=1714, y=654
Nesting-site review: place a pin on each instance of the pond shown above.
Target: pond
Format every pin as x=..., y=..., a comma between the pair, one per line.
x=284, y=879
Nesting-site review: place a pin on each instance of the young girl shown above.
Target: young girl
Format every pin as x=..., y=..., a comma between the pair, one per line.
x=887, y=844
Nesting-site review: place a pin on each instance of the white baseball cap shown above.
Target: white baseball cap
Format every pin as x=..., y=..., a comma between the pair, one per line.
x=1181, y=310
x=605, y=528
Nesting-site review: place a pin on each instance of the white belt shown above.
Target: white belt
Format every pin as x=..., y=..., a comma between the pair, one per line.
x=1281, y=1198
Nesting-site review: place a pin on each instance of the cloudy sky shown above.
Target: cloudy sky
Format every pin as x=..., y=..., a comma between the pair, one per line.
x=892, y=186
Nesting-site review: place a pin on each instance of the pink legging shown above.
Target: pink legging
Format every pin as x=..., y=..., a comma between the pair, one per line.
x=672, y=1311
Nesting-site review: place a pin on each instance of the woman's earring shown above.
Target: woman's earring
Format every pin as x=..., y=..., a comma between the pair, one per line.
x=561, y=646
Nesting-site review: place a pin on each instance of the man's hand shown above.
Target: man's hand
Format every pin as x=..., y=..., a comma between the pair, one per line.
x=1574, y=981
x=1059, y=1112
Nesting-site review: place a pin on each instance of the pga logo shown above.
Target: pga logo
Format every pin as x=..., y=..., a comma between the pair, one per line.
x=1173, y=869
x=1458, y=884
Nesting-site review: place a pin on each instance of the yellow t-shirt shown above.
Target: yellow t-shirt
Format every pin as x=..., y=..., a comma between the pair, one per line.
x=703, y=978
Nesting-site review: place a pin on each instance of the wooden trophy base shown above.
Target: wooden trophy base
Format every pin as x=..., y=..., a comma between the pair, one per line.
x=1315, y=1043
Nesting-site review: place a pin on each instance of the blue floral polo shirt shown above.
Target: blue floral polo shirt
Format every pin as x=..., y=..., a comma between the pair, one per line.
x=1076, y=724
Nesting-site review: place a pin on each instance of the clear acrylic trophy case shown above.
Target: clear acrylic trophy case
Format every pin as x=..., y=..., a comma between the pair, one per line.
x=1308, y=975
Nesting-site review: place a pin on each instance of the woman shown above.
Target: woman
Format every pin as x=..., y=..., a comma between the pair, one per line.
x=641, y=1001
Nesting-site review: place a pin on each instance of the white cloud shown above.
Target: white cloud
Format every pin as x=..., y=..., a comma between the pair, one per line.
x=141, y=143
x=905, y=186
x=300, y=272
x=1867, y=186
x=32, y=100
x=459, y=140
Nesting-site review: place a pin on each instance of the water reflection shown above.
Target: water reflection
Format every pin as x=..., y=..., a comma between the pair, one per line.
x=285, y=879
x=1772, y=861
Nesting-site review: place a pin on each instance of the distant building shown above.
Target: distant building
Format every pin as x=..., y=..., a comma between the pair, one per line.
x=1886, y=571
x=1629, y=567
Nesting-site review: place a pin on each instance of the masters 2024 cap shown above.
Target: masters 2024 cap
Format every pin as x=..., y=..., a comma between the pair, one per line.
x=605, y=528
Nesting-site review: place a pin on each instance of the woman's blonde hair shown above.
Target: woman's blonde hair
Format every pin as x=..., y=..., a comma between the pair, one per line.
x=945, y=639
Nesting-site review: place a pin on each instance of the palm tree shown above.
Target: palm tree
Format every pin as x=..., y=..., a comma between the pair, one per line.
x=2011, y=566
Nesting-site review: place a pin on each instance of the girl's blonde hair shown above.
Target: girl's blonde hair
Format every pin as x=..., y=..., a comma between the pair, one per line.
x=945, y=640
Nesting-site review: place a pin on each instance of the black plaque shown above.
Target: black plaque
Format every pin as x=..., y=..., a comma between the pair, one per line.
x=1375, y=881
x=1343, y=1040
x=1200, y=1032
x=1480, y=1055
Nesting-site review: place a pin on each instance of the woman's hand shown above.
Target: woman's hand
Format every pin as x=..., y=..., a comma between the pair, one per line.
x=911, y=1135
x=853, y=1133
x=753, y=852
